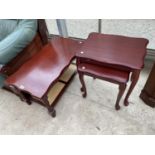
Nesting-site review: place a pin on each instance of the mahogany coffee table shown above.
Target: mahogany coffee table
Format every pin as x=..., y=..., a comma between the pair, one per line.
x=112, y=58
x=46, y=73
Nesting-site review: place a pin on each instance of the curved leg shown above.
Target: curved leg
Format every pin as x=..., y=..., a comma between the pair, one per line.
x=51, y=109
x=28, y=98
x=24, y=97
x=120, y=94
x=83, y=88
x=134, y=79
x=17, y=92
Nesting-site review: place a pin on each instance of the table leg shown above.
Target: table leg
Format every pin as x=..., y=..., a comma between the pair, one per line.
x=17, y=92
x=83, y=88
x=21, y=95
x=120, y=94
x=134, y=80
x=50, y=108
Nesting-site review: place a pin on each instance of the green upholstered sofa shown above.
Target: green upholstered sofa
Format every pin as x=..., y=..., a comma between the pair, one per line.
x=15, y=35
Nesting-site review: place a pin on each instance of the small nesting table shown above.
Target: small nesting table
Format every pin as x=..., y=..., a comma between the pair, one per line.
x=112, y=58
x=44, y=77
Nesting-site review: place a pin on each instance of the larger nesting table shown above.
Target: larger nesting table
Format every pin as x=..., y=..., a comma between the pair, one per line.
x=112, y=58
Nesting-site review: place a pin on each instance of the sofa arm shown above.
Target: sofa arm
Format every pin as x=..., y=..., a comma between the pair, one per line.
x=17, y=41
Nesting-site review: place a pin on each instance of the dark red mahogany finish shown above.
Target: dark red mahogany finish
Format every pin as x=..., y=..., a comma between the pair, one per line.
x=38, y=74
x=114, y=52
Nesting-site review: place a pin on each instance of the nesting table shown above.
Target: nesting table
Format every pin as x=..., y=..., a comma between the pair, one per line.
x=112, y=58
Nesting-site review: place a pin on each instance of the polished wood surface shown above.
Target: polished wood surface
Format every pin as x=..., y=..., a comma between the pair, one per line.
x=115, y=50
x=148, y=92
x=43, y=69
x=104, y=72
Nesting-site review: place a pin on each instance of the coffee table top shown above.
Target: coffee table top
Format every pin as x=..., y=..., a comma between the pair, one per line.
x=115, y=50
x=44, y=68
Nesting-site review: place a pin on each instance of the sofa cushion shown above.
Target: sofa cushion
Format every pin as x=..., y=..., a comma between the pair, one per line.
x=7, y=26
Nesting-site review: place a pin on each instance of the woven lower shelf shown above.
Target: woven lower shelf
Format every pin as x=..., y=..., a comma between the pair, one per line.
x=64, y=79
x=55, y=91
x=66, y=76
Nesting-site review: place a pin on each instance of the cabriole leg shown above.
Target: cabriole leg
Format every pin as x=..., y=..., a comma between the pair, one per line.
x=83, y=88
x=134, y=79
x=120, y=94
